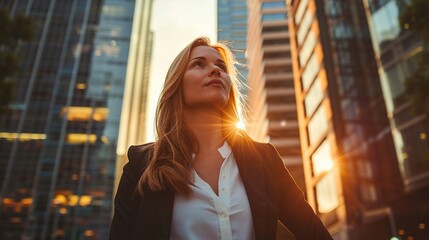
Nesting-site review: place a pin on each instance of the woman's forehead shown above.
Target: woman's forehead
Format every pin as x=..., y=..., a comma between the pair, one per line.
x=205, y=51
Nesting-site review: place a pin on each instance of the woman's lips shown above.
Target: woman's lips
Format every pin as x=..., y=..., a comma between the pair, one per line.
x=215, y=82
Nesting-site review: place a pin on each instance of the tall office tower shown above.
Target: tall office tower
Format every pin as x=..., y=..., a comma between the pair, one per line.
x=271, y=96
x=351, y=170
x=232, y=29
x=75, y=107
x=396, y=51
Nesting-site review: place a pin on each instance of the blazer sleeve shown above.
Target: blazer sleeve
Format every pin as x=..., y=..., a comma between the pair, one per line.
x=126, y=204
x=294, y=211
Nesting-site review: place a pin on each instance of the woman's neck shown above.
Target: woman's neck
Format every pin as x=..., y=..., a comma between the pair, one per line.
x=206, y=128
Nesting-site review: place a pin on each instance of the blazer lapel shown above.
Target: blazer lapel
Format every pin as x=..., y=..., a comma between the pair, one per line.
x=251, y=170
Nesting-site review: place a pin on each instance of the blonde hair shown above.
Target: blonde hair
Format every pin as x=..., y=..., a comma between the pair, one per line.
x=170, y=163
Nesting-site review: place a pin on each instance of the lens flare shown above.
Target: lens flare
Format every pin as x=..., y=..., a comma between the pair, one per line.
x=240, y=125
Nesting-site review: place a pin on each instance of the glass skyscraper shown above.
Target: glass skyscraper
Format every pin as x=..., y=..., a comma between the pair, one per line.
x=77, y=90
x=355, y=178
x=232, y=28
x=397, y=51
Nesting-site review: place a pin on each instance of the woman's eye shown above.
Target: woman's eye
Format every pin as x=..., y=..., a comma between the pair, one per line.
x=199, y=64
x=223, y=67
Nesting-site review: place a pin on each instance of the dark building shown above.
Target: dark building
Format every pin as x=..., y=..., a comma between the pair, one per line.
x=396, y=52
x=59, y=144
x=351, y=168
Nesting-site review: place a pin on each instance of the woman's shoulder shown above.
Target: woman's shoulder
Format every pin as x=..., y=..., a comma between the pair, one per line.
x=139, y=155
x=243, y=146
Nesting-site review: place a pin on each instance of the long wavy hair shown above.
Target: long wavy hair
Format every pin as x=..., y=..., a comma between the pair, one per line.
x=170, y=163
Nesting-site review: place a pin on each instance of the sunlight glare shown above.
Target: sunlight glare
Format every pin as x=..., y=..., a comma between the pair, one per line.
x=240, y=125
x=326, y=164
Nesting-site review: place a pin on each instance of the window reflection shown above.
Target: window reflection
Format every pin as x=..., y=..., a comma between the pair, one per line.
x=313, y=97
x=415, y=151
x=322, y=159
x=22, y=136
x=300, y=11
x=396, y=74
x=307, y=48
x=305, y=25
x=386, y=23
x=269, y=5
x=326, y=188
x=113, y=11
x=84, y=113
x=310, y=71
x=318, y=125
x=78, y=138
x=275, y=16
x=368, y=192
x=327, y=194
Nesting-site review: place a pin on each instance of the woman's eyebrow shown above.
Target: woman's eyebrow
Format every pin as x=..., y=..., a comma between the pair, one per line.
x=221, y=61
x=203, y=58
x=197, y=58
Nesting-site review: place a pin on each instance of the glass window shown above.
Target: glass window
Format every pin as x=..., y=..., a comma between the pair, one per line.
x=275, y=16
x=396, y=77
x=318, y=125
x=327, y=194
x=415, y=147
x=368, y=192
x=313, y=97
x=322, y=159
x=304, y=26
x=307, y=48
x=343, y=29
x=334, y=8
x=268, y=5
x=239, y=12
x=300, y=11
x=310, y=71
x=113, y=11
x=385, y=30
x=364, y=169
x=326, y=188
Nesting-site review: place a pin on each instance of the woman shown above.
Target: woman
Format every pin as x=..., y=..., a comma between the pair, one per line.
x=203, y=178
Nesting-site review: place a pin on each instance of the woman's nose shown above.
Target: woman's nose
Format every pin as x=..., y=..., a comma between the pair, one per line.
x=215, y=71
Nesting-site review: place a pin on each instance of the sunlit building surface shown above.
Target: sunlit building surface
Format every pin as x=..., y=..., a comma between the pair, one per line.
x=351, y=169
x=271, y=96
x=396, y=52
x=232, y=29
x=80, y=81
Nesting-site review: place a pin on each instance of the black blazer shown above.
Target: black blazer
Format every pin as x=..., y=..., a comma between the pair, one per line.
x=273, y=195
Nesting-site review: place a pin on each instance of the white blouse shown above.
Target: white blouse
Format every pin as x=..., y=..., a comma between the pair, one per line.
x=205, y=215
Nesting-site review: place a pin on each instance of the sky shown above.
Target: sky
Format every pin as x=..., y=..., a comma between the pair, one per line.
x=175, y=23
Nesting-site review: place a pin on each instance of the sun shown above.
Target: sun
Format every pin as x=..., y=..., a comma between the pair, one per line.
x=240, y=125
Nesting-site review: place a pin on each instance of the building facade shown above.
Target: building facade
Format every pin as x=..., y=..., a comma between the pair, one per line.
x=271, y=95
x=351, y=169
x=396, y=52
x=73, y=110
x=232, y=29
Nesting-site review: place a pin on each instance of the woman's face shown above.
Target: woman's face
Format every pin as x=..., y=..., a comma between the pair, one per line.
x=206, y=82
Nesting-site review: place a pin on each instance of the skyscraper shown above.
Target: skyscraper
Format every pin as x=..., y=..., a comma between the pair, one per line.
x=271, y=96
x=232, y=28
x=396, y=52
x=77, y=92
x=352, y=173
